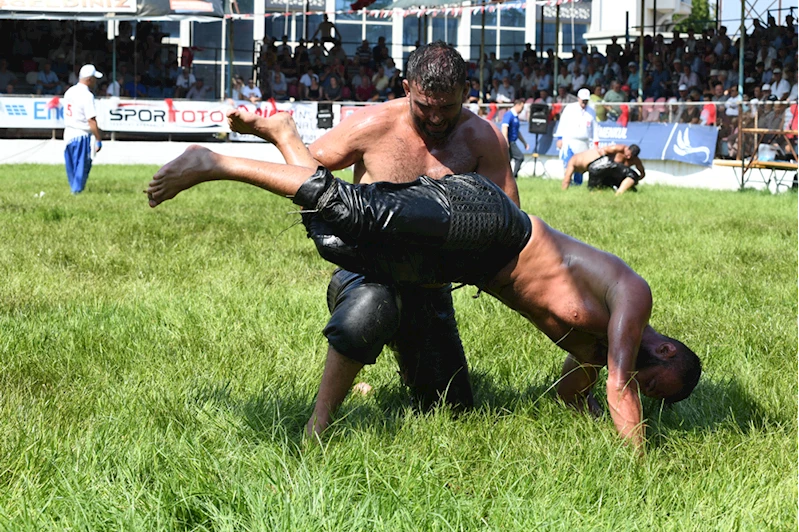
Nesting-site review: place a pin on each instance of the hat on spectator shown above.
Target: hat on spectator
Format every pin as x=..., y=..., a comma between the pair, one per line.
x=772, y=98
x=625, y=87
x=749, y=80
x=682, y=87
x=776, y=71
x=677, y=60
x=766, y=87
x=632, y=63
x=584, y=94
x=714, y=71
x=88, y=71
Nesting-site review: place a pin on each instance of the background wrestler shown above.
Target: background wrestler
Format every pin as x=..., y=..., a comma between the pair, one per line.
x=618, y=153
x=590, y=303
x=426, y=133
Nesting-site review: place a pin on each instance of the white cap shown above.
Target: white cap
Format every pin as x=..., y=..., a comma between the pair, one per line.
x=766, y=87
x=682, y=87
x=584, y=94
x=88, y=71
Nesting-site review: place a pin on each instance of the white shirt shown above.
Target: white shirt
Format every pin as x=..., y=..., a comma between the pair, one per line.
x=247, y=92
x=306, y=79
x=577, y=123
x=185, y=82
x=113, y=89
x=781, y=88
x=78, y=109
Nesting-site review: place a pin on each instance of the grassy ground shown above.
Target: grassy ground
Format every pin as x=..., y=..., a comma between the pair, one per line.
x=158, y=367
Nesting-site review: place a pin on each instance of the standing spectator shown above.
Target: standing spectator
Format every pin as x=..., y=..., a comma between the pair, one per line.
x=6, y=76
x=80, y=123
x=325, y=31
x=614, y=49
x=364, y=54
x=577, y=128
x=47, y=82
x=510, y=130
x=284, y=46
x=379, y=52
x=251, y=92
x=198, y=91
x=184, y=82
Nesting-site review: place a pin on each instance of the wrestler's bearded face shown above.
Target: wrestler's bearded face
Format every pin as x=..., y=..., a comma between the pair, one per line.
x=435, y=114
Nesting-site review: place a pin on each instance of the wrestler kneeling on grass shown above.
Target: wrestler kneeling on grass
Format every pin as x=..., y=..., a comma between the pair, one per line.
x=463, y=228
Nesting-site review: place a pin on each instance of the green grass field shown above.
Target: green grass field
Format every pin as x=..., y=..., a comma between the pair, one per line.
x=158, y=367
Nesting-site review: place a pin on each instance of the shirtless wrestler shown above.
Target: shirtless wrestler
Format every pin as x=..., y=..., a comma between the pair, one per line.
x=590, y=303
x=607, y=167
x=426, y=133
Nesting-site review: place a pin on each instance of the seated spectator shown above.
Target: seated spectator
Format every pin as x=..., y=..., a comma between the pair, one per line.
x=506, y=93
x=597, y=96
x=390, y=67
x=116, y=88
x=780, y=87
x=314, y=92
x=614, y=96
x=136, y=88
x=475, y=96
x=184, y=82
x=280, y=87
x=6, y=76
x=380, y=81
x=47, y=81
x=235, y=89
x=395, y=84
x=564, y=96
x=365, y=91
x=287, y=66
x=689, y=78
x=632, y=78
x=544, y=97
x=333, y=91
x=250, y=92
x=578, y=78
x=198, y=91
x=305, y=82
x=594, y=77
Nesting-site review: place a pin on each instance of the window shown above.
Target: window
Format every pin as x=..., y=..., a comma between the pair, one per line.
x=512, y=18
x=445, y=29
x=350, y=36
x=490, y=43
x=208, y=36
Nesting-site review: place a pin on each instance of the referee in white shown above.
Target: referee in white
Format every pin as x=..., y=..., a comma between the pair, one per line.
x=80, y=124
x=577, y=130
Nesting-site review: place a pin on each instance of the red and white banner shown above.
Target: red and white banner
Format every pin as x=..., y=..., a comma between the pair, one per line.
x=158, y=116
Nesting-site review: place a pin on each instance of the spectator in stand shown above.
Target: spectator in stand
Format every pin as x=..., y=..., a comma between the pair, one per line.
x=333, y=91
x=314, y=92
x=692, y=113
x=317, y=51
x=390, y=67
x=302, y=59
x=614, y=96
x=527, y=83
x=235, y=89
x=250, y=92
x=543, y=79
x=305, y=82
x=661, y=80
x=198, y=91
x=594, y=77
x=364, y=54
x=595, y=102
x=578, y=78
x=280, y=86
x=395, y=85
x=136, y=88
x=365, y=91
x=544, y=97
x=779, y=87
x=380, y=81
x=563, y=78
x=493, y=92
x=689, y=78
x=284, y=46
x=116, y=88
x=505, y=92
x=564, y=96
x=379, y=52
x=765, y=92
x=614, y=49
x=6, y=77
x=325, y=31
x=287, y=65
x=632, y=78
x=22, y=49
x=184, y=82
x=47, y=81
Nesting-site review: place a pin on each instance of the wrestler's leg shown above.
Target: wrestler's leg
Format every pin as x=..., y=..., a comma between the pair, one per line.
x=279, y=129
x=567, y=175
x=626, y=185
x=337, y=379
x=197, y=165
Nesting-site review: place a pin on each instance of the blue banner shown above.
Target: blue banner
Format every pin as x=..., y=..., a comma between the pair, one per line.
x=677, y=142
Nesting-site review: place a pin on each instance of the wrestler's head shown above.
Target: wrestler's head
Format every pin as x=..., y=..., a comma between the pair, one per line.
x=631, y=151
x=667, y=370
x=435, y=85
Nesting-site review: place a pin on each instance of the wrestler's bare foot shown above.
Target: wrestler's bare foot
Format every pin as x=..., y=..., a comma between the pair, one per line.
x=193, y=166
x=275, y=129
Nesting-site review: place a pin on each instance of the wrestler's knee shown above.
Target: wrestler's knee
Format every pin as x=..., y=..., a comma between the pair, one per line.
x=364, y=317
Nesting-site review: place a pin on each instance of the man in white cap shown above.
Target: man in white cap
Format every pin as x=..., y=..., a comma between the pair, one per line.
x=80, y=124
x=779, y=86
x=577, y=130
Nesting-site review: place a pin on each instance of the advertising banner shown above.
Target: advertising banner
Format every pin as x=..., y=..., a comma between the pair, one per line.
x=31, y=113
x=74, y=7
x=687, y=143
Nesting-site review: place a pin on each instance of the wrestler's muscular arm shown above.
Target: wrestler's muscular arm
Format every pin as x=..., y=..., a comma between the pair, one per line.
x=630, y=303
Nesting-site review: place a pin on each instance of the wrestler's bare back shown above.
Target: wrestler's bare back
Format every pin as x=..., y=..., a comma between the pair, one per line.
x=560, y=285
x=383, y=144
